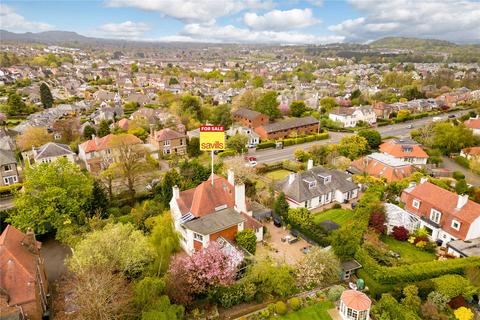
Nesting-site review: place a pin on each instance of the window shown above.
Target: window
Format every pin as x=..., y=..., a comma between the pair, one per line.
x=312, y=184
x=197, y=236
x=10, y=180
x=7, y=167
x=456, y=225
x=166, y=143
x=435, y=216
x=416, y=203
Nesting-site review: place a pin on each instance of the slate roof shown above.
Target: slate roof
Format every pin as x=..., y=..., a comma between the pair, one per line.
x=290, y=124
x=216, y=221
x=246, y=113
x=6, y=157
x=52, y=149
x=299, y=189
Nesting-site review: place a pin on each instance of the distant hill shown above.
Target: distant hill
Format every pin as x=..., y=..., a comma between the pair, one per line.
x=44, y=37
x=410, y=43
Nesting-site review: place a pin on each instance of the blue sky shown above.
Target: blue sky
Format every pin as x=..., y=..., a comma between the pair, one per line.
x=249, y=21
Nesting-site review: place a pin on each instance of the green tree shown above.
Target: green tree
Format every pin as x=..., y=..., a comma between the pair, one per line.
x=453, y=285
x=134, y=67
x=280, y=206
x=461, y=187
x=268, y=104
x=172, y=178
x=193, y=147
x=345, y=241
x=411, y=299
x=165, y=241
x=319, y=266
x=238, y=143
x=46, y=96
x=450, y=139
x=103, y=129
x=192, y=105
x=328, y=103
x=116, y=248
x=271, y=279
x=257, y=82
x=387, y=308
x=54, y=196
x=33, y=137
x=15, y=105
x=221, y=116
x=297, y=108
x=173, y=81
x=373, y=137
x=353, y=147
x=247, y=240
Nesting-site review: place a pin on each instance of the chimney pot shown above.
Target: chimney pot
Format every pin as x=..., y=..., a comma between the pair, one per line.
x=176, y=192
x=462, y=201
x=291, y=178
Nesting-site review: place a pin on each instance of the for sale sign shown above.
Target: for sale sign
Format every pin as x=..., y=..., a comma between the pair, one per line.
x=212, y=138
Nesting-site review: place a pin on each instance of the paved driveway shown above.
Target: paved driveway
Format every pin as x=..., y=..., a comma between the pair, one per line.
x=470, y=177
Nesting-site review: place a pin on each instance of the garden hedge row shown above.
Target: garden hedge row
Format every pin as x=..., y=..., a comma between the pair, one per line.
x=414, y=272
x=292, y=141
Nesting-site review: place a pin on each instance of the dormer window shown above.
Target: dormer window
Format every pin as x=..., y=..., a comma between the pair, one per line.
x=456, y=225
x=416, y=203
x=407, y=148
x=435, y=216
x=312, y=184
x=223, y=206
x=327, y=179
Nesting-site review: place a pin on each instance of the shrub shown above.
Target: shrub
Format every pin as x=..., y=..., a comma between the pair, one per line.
x=294, y=303
x=337, y=206
x=226, y=153
x=264, y=314
x=322, y=136
x=281, y=308
x=265, y=145
x=400, y=233
x=462, y=161
x=127, y=218
x=247, y=240
x=457, y=175
x=288, y=142
x=10, y=188
x=463, y=313
x=457, y=302
x=335, y=292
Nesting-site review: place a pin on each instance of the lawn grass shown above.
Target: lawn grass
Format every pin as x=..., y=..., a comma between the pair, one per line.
x=340, y=216
x=408, y=252
x=278, y=174
x=316, y=312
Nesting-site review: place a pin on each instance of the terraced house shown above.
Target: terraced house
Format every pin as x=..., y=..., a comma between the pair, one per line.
x=283, y=129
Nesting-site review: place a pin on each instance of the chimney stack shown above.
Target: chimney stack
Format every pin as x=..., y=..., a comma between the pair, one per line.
x=30, y=242
x=291, y=177
x=309, y=164
x=231, y=177
x=423, y=180
x=240, y=201
x=176, y=192
x=461, y=201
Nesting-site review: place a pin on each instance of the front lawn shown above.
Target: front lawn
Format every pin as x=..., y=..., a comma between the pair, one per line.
x=340, y=216
x=278, y=174
x=408, y=252
x=316, y=312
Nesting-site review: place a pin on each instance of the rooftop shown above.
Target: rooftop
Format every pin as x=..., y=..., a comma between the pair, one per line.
x=215, y=221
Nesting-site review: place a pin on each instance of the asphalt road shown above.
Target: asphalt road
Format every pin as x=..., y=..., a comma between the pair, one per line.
x=398, y=130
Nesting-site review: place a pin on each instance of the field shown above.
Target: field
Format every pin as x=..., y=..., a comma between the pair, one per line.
x=340, y=216
x=278, y=174
x=408, y=252
x=316, y=312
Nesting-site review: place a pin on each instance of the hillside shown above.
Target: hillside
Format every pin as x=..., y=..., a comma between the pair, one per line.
x=410, y=43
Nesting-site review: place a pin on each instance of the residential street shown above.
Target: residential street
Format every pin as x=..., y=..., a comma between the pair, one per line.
x=401, y=129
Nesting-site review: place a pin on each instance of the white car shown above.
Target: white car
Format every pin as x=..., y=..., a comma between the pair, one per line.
x=251, y=163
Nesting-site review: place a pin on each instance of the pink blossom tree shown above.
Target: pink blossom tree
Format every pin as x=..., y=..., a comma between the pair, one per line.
x=210, y=267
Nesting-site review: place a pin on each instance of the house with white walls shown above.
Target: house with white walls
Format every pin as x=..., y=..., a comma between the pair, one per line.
x=216, y=208
x=317, y=186
x=349, y=117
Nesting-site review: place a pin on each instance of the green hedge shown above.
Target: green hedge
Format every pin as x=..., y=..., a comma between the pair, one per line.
x=462, y=161
x=8, y=189
x=226, y=153
x=414, y=272
x=265, y=145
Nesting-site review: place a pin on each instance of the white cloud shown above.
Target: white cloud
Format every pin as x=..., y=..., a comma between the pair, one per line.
x=317, y=3
x=454, y=20
x=12, y=21
x=124, y=30
x=231, y=34
x=193, y=11
x=280, y=20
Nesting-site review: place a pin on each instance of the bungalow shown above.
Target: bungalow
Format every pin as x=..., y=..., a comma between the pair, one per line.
x=350, y=117
x=169, y=141
x=253, y=137
x=23, y=281
x=406, y=150
x=316, y=187
x=446, y=215
x=97, y=153
x=49, y=152
x=215, y=208
x=382, y=166
x=283, y=129
x=250, y=118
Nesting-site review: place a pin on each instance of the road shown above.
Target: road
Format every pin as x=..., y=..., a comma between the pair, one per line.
x=471, y=177
x=398, y=130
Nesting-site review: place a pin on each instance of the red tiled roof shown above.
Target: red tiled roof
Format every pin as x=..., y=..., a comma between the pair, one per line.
x=98, y=144
x=473, y=151
x=473, y=123
x=446, y=202
x=203, y=199
x=379, y=169
x=167, y=134
x=396, y=150
x=18, y=267
x=123, y=124
x=355, y=300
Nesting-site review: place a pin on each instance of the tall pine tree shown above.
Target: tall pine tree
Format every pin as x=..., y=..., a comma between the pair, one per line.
x=46, y=96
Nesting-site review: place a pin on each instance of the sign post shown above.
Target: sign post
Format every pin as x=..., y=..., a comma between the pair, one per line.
x=212, y=138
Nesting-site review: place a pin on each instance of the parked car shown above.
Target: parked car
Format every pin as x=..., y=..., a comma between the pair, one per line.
x=292, y=240
x=277, y=221
x=451, y=116
x=251, y=161
x=410, y=126
x=251, y=145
